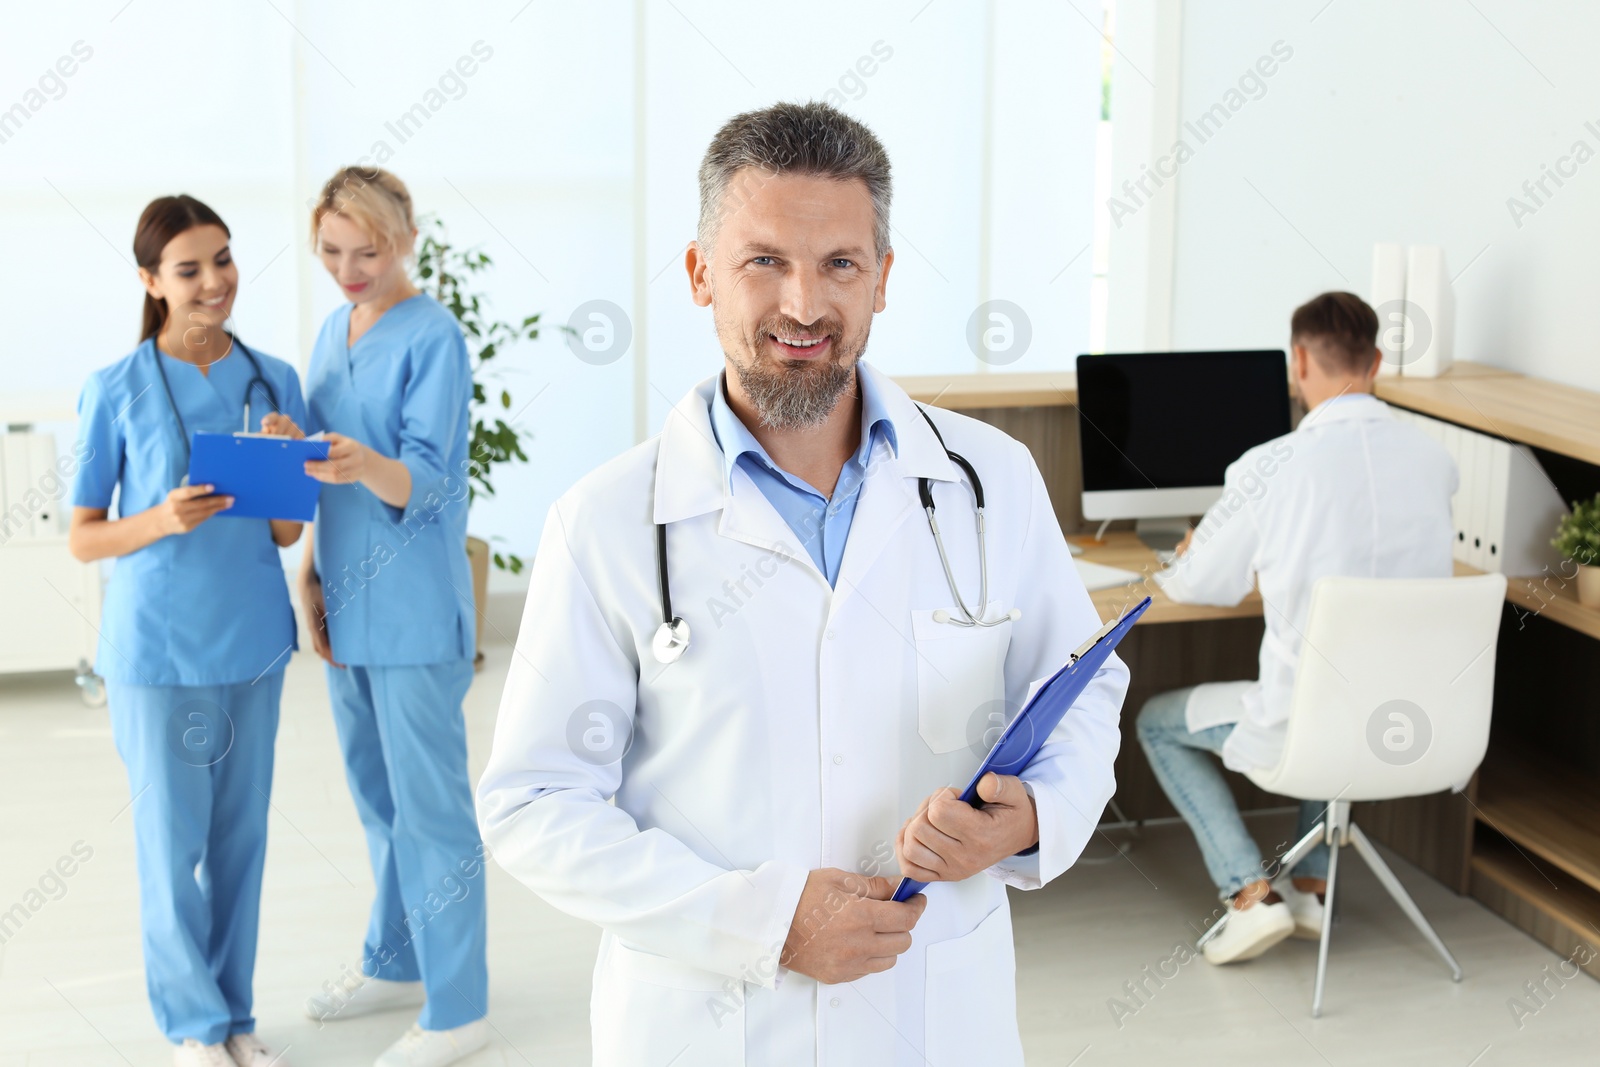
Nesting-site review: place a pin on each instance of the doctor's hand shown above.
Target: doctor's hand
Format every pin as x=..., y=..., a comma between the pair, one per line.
x=187, y=507
x=346, y=462
x=846, y=926
x=948, y=839
x=316, y=609
x=281, y=425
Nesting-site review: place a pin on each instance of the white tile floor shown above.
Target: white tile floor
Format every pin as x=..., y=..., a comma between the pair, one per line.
x=72, y=990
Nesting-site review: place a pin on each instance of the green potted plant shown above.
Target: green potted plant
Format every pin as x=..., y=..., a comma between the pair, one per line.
x=1578, y=539
x=445, y=272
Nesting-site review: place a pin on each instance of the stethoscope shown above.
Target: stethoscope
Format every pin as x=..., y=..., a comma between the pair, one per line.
x=256, y=380
x=671, y=638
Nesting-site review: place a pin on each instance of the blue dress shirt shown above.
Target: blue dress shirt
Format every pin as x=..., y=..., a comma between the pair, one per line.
x=821, y=524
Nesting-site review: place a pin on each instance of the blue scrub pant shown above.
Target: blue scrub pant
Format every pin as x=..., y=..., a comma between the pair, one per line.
x=405, y=754
x=199, y=762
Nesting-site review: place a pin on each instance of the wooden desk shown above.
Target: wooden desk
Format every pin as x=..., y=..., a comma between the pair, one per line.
x=1122, y=548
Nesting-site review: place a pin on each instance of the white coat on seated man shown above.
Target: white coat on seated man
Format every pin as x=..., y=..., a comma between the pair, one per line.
x=770, y=784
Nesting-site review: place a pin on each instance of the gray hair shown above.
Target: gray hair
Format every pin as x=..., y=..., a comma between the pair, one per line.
x=812, y=138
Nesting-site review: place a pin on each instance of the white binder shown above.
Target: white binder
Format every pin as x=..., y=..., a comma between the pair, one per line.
x=1478, y=517
x=1452, y=438
x=44, y=477
x=1431, y=309
x=1525, y=509
x=1388, y=299
x=1494, y=529
x=1505, y=509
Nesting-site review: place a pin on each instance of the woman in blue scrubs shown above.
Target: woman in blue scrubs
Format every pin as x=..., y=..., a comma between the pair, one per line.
x=195, y=630
x=390, y=386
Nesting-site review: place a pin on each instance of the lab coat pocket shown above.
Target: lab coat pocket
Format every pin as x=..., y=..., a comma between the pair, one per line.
x=960, y=678
x=971, y=998
x=648, y=1009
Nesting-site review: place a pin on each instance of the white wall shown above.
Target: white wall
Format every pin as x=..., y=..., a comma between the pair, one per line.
x=530, y=157
x=532, y=162
x=1410, y=122
x=569, y=156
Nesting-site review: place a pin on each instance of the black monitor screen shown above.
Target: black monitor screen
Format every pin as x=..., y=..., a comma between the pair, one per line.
x=1173, y=420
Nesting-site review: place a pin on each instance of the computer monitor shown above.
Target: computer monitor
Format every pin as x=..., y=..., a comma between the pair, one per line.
x=1156, y=430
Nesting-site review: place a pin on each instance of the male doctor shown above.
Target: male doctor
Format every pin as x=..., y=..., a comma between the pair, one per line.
x=1351, y=491
x=771, y=782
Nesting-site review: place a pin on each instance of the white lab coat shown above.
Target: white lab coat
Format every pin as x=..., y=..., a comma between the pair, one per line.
x=799, y=731
x=1350, y=492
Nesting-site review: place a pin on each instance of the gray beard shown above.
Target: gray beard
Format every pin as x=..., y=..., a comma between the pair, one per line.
x=797, y=396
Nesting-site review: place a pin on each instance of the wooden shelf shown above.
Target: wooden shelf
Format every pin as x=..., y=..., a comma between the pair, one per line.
x=1554, y=598
x=1545, y=810
x=1548, y=415
x=1550, y=904
x=997, y=389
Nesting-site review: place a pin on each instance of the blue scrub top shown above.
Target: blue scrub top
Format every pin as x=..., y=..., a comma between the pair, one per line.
x=396, y=580
x=209, y=607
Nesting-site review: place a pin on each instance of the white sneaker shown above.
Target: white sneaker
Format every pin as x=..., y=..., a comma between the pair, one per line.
x=351, y=995
x=193, y=1054
x=248, y=1051
x=1305, y=907
x=1249, y=932
x=435, y=1048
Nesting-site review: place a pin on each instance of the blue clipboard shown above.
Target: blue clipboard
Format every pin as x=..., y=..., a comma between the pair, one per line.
x=1024, y=735
x=264, y=473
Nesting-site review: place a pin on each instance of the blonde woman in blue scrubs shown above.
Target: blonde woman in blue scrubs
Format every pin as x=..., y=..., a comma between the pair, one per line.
x=195, y=630
x=390, y=386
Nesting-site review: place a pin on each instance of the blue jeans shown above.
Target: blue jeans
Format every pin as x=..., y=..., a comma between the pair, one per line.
x=1194, y=784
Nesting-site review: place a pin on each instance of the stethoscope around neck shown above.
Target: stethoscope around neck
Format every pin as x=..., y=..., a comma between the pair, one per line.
x=256, y=380
x=671, y=638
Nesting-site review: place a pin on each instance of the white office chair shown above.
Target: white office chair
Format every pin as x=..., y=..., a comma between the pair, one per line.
x=1392, y=694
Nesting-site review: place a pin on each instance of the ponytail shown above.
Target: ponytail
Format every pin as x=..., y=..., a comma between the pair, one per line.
x=155, y=317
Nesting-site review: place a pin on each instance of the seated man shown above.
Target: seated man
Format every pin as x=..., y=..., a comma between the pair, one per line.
x=1352, y=491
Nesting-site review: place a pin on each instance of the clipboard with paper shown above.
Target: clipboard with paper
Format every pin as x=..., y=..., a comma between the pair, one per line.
x=264, y=473
x=1024, y=735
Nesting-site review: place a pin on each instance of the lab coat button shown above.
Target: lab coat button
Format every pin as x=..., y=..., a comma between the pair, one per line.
x=838, y=759
x=834, y=1003
x=830, y=635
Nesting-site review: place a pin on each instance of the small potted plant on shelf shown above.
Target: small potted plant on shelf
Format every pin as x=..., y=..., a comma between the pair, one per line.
x=1578, y=539
x=444, y=271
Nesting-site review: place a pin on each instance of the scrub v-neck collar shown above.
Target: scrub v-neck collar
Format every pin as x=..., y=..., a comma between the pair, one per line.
x=211, y=392
x=349, y=309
